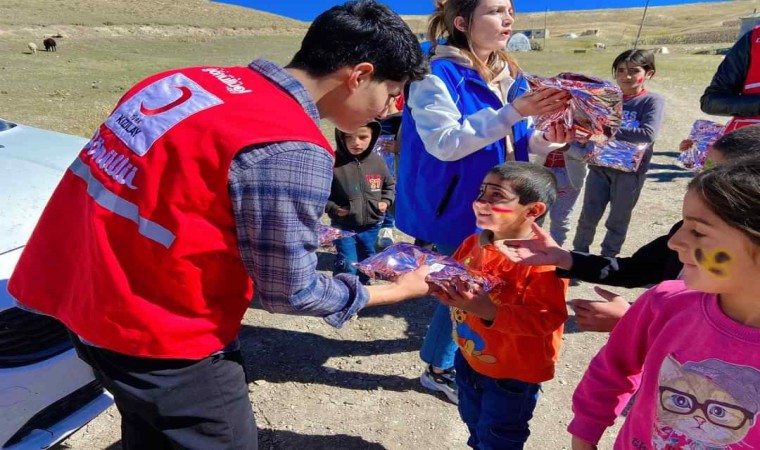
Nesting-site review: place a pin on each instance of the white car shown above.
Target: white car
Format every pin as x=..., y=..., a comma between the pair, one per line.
x=46, y=391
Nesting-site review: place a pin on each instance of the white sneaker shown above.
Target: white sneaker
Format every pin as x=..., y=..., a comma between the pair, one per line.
x=385, y=238
x=444, y=382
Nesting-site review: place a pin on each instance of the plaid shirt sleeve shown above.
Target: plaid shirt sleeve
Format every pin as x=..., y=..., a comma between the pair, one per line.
x=279, y=192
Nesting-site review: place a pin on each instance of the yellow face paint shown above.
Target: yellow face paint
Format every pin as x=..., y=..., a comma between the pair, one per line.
x=716, y=262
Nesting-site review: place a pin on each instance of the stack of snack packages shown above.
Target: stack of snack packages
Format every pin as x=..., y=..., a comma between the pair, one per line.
x=402, y=257
x=595, y=112
x=703, y=133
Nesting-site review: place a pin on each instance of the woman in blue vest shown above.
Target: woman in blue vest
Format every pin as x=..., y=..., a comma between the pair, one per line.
x=470, y=114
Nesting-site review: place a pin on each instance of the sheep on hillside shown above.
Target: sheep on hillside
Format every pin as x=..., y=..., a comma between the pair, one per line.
x=49, y=45
x=32, y=47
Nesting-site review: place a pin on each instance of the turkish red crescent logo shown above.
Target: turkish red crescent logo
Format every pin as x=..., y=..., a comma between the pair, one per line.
x=186, y=94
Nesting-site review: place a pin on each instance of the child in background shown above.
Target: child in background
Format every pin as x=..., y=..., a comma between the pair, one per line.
x=642, y=116
x=570, y=169
x=387, y=147
x=509, y=339
x=689, y=349
x=362, y=190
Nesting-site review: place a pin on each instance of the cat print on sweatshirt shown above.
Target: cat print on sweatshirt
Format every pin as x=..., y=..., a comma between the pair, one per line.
x=705, y=405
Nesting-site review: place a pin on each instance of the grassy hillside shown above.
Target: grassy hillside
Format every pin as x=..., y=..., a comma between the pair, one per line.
x=620, y=25
x=110, y=45
x=35, y=18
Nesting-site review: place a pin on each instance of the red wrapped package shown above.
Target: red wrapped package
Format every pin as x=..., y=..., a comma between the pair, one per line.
x=595, y=109
x=328, y=234
x=402, y=257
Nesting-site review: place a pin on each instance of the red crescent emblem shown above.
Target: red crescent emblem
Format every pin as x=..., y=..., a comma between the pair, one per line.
x=186, y=94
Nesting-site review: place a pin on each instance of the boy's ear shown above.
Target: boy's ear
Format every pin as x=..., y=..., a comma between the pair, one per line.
x=535, y=210
x=649, y=74
x=360, y=74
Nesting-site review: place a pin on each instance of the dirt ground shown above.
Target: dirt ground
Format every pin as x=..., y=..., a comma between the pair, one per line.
x=311, y=386
x=356, y=388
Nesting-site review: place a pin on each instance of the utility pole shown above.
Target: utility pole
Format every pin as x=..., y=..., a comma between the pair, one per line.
x=546, y=12
x=641, y=25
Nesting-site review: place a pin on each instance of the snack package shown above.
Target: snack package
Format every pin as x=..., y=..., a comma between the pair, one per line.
x=703, y=133
x=328, y=234
x=402, y=257
x=618, y=155
x=595, y=109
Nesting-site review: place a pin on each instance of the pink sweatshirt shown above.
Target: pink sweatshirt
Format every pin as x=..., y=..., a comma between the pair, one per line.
x=695, y=371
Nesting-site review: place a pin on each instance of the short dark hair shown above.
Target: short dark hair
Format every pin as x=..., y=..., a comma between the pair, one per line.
x=638, y=57
x=742, y=142
x=732, y=191
x=356, y=32
x=531, y=182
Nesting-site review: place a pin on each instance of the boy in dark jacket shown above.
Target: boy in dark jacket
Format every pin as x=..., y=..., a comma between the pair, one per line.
x=362, y=190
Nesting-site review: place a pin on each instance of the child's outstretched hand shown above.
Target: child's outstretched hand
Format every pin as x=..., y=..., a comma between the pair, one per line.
x=541, y=251
x=580, y=444
x=594, y=315
x=472, y=299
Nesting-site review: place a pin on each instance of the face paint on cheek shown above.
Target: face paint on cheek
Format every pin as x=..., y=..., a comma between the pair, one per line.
x=502, y=212
x=715, y=262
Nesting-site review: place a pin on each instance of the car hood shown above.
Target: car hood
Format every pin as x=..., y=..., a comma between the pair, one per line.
x=32, y=162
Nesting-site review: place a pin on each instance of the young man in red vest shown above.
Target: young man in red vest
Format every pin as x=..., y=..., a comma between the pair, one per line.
x=735, y=87
x=202, y=183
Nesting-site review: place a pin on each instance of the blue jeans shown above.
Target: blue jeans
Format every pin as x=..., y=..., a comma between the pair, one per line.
x=567, y=196
x=438, y=348
x=496, y=411
x=356, y=248
x=389, y=221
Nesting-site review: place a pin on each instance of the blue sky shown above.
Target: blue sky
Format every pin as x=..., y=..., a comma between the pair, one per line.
x=308, y=9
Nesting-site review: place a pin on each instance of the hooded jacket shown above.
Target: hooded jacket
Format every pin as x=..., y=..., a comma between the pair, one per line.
x=360, y=183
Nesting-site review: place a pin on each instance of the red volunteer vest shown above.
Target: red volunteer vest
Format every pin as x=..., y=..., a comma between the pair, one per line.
x=751, y=83
x=136, y=251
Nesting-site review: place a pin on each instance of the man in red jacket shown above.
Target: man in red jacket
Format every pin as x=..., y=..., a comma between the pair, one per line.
x=202, y=183
x=735, y=88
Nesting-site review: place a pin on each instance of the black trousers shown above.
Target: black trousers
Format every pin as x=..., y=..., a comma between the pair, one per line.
x=176, y=403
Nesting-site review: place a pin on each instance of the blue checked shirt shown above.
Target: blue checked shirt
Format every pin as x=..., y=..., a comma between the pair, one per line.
x=279, y=192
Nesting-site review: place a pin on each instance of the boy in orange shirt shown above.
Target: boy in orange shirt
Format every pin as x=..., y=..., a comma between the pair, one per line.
x=509, y=339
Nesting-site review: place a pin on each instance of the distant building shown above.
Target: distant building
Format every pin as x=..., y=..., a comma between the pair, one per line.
x=535, y=33
x=749, y=22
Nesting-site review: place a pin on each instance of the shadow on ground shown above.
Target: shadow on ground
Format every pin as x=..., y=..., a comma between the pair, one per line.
x=287, y=440
x=281, y=356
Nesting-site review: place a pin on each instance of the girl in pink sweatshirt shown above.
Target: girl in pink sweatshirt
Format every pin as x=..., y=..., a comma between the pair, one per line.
x=689, y=349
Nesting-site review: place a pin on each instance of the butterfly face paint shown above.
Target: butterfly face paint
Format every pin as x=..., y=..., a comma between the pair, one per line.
x=717, y=262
